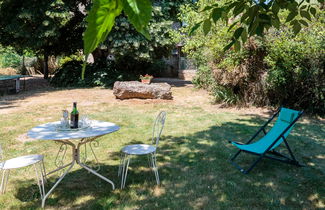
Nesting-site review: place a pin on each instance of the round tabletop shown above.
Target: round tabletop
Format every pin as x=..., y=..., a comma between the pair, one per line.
x=49, y=131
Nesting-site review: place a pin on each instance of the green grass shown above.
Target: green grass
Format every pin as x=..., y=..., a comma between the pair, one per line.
x=192, y=158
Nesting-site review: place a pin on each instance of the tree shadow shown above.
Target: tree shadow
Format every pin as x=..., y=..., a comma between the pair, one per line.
x=196, y=174
x=174, y=82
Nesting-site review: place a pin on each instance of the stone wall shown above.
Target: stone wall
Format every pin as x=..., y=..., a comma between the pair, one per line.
x=187, y=74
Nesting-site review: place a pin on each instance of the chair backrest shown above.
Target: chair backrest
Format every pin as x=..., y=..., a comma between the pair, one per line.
x=158, y=127
x=285, y=120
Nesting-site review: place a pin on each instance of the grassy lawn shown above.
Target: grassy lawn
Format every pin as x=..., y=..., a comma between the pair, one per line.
x=192, y=157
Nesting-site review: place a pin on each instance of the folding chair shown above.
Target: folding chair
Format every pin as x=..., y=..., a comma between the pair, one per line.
x=265, y=147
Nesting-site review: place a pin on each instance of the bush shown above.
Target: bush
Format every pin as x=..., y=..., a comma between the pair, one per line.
x=9, y=58
x=278, y=70
x=296, y=74
x=98, y=74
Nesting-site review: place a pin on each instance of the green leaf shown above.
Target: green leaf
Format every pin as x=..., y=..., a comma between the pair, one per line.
x=232, y=25
x=139, y=14
x=244, y=16
x=293, y=6
x=303, y=7
x=206, y=8
x=303, y=22
x=100, y=21
x=237, y=46
x=275, y=22
x=206, y=26
x=238, y=32
x=216, y=14
x=229, y=45
x=296, y=27
x=195, y=27
x=313, y=11
x=239, y=8
x=291, y=16
x=252, y=27
x=305, y=14
x=260, y=29
x=275, y=8
x=244, y=36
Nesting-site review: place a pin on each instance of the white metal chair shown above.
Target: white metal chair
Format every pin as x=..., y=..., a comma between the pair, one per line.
x=19, y=162
x=143, y=149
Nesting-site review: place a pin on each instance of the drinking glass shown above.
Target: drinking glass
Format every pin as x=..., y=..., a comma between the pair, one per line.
x=85, y=121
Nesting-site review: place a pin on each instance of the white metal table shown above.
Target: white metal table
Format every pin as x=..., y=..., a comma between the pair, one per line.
x=76, y=140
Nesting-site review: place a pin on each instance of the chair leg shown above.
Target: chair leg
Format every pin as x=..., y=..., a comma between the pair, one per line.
x=253, y=165
x=149, y=161
x=234, y=157
x=121, y=164
x=43, y=171
x=154, y=167
x=4, y=181
x=125, y=168
x=242, y=169
x=40, y=179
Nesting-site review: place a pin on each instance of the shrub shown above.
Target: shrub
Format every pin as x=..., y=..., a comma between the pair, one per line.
x=296, y=74
x=278, y=70
x=9, y=58
x=98, y=74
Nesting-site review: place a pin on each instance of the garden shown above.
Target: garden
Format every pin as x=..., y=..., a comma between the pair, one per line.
x=246, y=69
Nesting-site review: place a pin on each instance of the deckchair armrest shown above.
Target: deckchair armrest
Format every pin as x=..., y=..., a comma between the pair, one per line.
x=236, y=142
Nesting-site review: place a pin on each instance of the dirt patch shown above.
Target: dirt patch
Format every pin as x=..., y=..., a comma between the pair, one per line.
x=24, y=138
x=39, y=93
x=8, y=71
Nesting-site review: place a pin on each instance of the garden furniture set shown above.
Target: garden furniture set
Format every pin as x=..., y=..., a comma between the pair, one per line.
x=81, y=139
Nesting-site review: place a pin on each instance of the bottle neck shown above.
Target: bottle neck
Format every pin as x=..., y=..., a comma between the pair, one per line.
x=74, y=110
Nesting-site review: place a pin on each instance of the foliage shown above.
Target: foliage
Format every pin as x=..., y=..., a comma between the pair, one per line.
x=44, y=27
x=102, y=16
x=124, y=41
x=9, y=58
x=99, y=74
x=146, y=77
x=255, y=17
x=296, y=74
x=280, y=69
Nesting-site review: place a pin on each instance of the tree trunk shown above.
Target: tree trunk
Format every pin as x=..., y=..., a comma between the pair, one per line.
x=46, y=66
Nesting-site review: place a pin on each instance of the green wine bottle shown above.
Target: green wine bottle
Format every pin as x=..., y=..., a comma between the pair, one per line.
x=74, y=116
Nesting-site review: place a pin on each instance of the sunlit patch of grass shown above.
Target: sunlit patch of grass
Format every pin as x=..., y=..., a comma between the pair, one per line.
x=193, y=162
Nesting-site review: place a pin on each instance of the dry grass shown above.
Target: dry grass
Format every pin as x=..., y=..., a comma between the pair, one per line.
x=8, y=71
x=192, y=157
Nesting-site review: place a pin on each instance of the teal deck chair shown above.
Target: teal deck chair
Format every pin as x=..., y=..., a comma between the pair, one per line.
x=265, y=147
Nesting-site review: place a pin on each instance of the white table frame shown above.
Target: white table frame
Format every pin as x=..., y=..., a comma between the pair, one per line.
x=76, y=146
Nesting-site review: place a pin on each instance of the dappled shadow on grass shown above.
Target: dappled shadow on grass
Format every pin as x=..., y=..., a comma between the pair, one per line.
x=196, y=174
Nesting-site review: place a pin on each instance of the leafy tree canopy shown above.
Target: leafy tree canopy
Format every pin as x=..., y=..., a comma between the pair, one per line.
x=124, y=40
x=250, y=17
x=255, y=17
x=45, y=27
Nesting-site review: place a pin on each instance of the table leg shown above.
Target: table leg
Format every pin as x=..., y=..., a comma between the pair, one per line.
x=17, y=85
x=56, y=184
x=88, y=168
x=97, y=174
x=75, y=159
x=59, y=168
